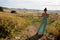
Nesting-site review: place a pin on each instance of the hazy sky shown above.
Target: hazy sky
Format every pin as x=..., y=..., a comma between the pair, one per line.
x=32, y=4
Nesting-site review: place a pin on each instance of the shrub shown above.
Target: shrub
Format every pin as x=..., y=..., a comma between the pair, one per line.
x=3, y=32
x=13, y=11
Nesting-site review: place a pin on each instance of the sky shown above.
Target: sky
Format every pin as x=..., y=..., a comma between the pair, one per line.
x=32, y=4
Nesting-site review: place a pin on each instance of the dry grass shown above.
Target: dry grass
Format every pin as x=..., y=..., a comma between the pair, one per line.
x=12, y=23
x=15, y=23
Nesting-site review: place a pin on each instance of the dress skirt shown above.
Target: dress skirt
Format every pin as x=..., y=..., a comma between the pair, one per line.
x=42, y=27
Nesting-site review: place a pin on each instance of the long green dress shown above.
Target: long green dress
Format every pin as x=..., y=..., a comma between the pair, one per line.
x=42, y=28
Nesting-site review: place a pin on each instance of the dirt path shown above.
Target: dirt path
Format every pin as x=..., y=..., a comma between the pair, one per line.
x=26, y=33
x=32, y=30
x=29, y=32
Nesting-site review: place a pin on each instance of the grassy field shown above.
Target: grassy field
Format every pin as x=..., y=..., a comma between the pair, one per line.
x=15, y=24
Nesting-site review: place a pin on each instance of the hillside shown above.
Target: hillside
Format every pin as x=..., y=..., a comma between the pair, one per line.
x=24, y=24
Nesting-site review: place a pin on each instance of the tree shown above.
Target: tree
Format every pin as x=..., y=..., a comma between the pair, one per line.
x=1, y=9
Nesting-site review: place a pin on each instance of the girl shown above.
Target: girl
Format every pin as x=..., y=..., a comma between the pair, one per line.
x=44, y=20
x=42, y=27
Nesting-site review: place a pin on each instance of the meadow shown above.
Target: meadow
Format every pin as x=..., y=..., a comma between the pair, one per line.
x=17, y=25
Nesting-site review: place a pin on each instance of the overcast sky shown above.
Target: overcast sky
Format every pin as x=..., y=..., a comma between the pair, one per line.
x=32, y=4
